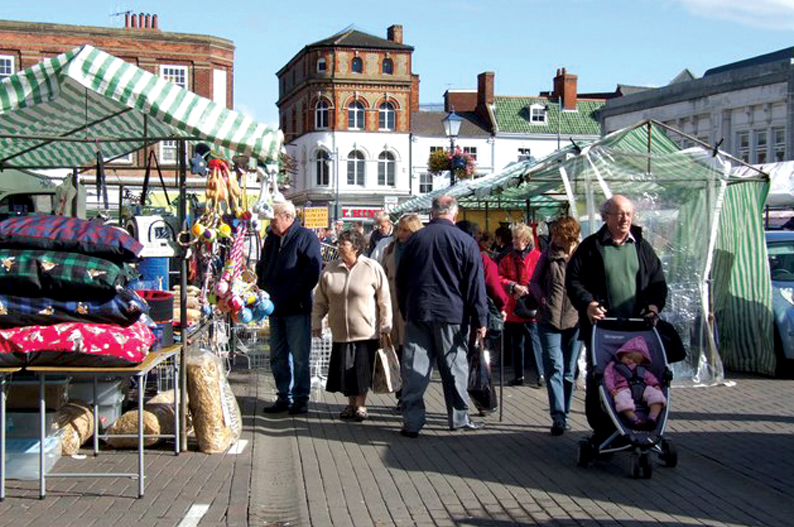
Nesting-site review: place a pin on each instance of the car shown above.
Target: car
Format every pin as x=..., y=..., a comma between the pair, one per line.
x=780, y=251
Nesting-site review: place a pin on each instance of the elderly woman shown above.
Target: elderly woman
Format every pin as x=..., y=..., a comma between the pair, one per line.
x=354, y=293
x=521, y=334
x=558, y=321
x=406, y=226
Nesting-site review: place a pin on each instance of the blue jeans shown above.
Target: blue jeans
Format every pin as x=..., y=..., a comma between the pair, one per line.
x=560, y=352
x=290, y=338
x=520, y=338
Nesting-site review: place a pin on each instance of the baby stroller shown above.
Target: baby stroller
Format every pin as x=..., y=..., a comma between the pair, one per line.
x=609, y=335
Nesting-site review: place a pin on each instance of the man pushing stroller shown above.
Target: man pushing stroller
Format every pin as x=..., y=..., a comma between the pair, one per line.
x=614, y=272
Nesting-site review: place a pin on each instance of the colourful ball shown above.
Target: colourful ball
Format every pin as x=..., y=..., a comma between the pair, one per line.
x=268, y=307
x=221, y=288
x=251, y=299
x=224, y=231
x=263, y=295
x=212, y=297
x=198, y=229
x=259, y=312
x=236, y=303
x=209, y=235
x=245, y=315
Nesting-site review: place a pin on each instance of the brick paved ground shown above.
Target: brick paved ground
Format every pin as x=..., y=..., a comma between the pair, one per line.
x=735, y=450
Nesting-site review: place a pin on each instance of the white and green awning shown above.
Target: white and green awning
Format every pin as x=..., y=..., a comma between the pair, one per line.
x=59, y=112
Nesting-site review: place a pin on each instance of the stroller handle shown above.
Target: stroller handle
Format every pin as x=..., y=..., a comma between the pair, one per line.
x=615, y=319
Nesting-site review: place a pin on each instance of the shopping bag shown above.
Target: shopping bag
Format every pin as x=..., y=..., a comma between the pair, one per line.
x=481, y=388
x=673, y=345
x=386, y=371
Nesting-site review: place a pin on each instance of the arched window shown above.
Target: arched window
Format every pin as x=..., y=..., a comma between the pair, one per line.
x=321, y=115
x=388, y=66
x=387, y=168
x=386, y=116
x=323, y=169
x=358, y=65
x=321, y=64
x=356, y=168
x=355, y=116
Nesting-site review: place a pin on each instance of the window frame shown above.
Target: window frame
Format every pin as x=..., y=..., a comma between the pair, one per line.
x=778, y=147
x=761, y=148
x=387, y=169
x=322, y=168
x=357, y=65
x=324, y=63
x=425, y=183
x=168, y=149
x=743, y=151
x=390, y=62
x=524, y=153
x=322, y=113
x=387, y=114
x=12, y=65
x=542, y=115
x=358, y=176
x=355, y=112
x=472, y=151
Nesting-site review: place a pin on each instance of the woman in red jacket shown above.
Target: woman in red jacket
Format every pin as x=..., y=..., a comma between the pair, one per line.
x=521, y=334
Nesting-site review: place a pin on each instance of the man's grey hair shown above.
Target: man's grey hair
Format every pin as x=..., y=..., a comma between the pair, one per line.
x=607, y=206
x=285, y=208
x=443, y=206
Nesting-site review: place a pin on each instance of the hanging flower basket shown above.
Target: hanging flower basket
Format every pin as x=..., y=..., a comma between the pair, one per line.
x=459, y=162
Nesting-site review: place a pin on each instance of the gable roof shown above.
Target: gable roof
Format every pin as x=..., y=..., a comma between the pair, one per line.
x=429, y=124
x=513, y=116
x=59, y=111
x=353, y=38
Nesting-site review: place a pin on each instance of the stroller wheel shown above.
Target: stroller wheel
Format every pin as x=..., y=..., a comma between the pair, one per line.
x=669, y=455
x=585, y=453
x=645, y=465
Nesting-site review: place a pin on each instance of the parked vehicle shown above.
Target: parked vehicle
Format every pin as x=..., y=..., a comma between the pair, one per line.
x=780, y=250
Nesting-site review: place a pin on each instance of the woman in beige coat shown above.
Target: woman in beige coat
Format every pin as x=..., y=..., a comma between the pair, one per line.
x=354, y=293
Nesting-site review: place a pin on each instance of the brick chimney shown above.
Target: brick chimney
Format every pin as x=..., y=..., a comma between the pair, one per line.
x=140, y=21
x=485, y=88
x=395, y=33
x=565, y=87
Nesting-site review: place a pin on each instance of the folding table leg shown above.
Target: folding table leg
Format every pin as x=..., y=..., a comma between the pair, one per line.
x=2, y=437
x=42, y=425
x=141, y=384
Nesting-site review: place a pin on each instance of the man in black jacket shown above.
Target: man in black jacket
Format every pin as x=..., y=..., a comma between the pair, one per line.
x=288, y=270
x=614, y=272
x=441, y=289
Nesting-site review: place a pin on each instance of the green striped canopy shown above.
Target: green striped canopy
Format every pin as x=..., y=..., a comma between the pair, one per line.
x=60, y=111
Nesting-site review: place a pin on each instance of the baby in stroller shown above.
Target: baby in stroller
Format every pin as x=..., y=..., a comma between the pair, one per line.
x=628, y=379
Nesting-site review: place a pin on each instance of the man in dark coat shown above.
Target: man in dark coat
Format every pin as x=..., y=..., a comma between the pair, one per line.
x=288, y=270
x=614, y=272
x=440, y=289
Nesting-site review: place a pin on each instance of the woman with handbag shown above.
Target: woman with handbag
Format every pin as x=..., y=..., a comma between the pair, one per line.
x=406, y=226
x=354, y=293
x=521, y=331
x=558, y=321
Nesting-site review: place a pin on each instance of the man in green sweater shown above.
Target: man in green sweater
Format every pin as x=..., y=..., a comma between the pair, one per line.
x=614, y=272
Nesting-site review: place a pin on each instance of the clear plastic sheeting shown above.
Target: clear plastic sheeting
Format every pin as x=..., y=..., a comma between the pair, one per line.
x=703, y=220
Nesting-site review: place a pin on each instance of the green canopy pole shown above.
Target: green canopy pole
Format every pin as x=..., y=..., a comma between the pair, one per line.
x=182, y=299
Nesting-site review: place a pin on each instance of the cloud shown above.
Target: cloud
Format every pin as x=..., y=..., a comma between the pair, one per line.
x=768, y=14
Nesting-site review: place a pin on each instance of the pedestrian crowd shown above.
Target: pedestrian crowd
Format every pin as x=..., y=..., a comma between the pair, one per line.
x=442, y=292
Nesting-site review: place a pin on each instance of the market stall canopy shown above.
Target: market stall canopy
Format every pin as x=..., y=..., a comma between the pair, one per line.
x=60, y=111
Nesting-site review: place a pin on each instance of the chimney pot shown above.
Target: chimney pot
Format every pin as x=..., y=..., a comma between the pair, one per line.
x=134, y=21
x=127, y=19
x=154, y=21
x=148, y=21
x=141, y=19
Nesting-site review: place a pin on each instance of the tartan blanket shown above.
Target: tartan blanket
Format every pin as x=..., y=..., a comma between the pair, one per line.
x=59, y=233
x=124, y=309
x=59, y=275
x=75, y=344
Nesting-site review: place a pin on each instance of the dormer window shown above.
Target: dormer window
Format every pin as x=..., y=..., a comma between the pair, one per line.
x=321, y=65
x=537, y=114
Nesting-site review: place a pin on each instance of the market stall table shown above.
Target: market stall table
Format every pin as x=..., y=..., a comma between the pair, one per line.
x=4, y=372
x=139, y=371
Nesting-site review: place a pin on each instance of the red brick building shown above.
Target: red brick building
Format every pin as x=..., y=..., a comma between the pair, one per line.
x=201, y=63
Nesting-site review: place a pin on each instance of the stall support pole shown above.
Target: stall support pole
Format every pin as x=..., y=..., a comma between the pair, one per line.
x=182, y=439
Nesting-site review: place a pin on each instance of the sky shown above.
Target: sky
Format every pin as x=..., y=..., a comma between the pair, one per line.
x=603, y=42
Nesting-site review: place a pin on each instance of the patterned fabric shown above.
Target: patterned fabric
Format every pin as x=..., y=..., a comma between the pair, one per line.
x=75, y=344
x=59, y=275
x=124, y=309
x=60, y=233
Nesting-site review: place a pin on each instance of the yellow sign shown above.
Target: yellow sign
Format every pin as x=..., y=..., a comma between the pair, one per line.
x=315, y=217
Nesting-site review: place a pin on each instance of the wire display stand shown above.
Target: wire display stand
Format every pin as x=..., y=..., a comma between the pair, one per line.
x=252, y=344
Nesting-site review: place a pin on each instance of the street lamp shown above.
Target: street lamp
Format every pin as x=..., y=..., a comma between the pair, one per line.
x=451, y=128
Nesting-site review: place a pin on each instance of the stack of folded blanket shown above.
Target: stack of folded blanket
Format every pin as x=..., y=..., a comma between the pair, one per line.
x=63, y=294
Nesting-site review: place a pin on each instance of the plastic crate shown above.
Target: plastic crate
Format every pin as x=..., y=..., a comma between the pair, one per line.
x=26, y=424
x=110, y=395
x=22, y=456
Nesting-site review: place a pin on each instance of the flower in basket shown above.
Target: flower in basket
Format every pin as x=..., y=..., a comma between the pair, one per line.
x=456, y=160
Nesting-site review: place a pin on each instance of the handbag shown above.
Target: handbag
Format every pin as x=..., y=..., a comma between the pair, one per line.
x=673, y=345
x=480, y=385
x=386, y=376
